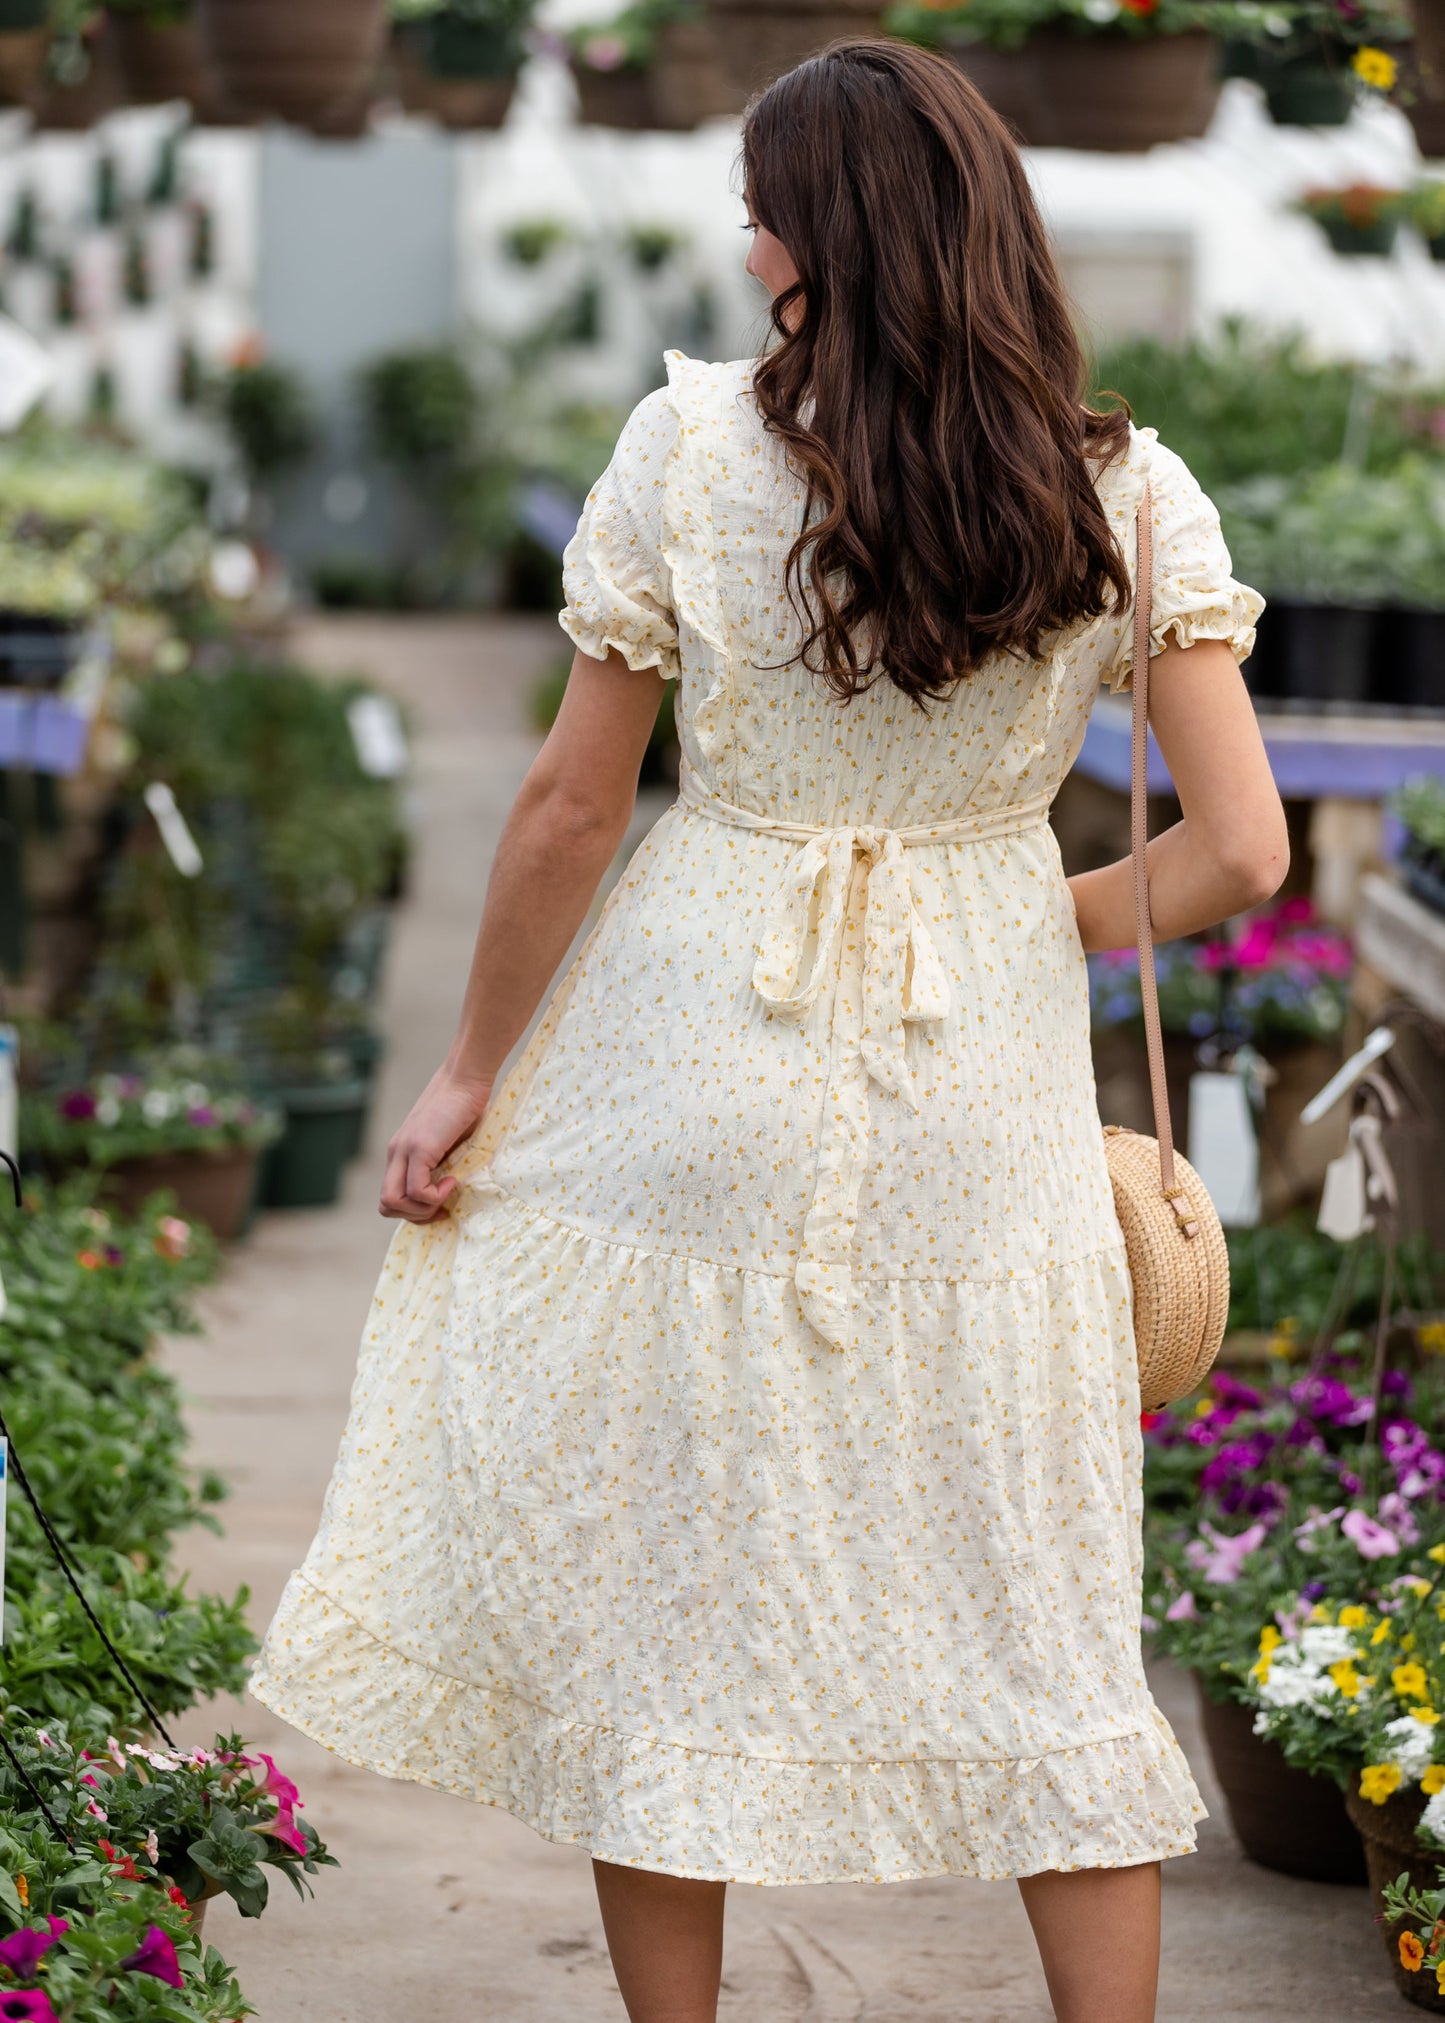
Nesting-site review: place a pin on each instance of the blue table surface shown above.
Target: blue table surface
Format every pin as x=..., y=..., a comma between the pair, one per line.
x=1353, y=757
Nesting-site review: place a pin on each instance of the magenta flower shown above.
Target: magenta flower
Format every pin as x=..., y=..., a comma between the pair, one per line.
x=1395, y=1512
x=284, y=1828
x=279, y=1784
x=1183, y=1609
x=156, y=1954
x=27, y=2005
x=23, y=1951
x=1371, y=1540
x=1222, y=1560
x=79, y=1105
x=202, y=1116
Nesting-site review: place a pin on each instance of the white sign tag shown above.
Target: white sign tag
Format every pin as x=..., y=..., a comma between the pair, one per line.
x=378, y=736
x=1223, y=1147
x=180, y=843
x=9, y=1097
x=1344, y=1212
x=4, y=1486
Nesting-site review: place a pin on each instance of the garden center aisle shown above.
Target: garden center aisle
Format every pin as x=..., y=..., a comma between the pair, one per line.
x=454, y=1914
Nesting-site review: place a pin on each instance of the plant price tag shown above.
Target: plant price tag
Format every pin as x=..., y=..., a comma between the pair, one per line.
x=1344, y=1211
x=180, y=844
x=378, y=736
x=1223, y=1147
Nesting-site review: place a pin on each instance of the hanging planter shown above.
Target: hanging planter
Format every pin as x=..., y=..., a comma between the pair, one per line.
x=1393, y=1848
x=158, y=47
x=1008, y=79
x=458, y=69
x=1361, y=220
x=617, y=98
x=1306, y=86
x=1283, y=1818
x=24, y=42
x=1115, y=92
x=296, y=59
x=759, y=39
x=92, y=88
x=689, y=83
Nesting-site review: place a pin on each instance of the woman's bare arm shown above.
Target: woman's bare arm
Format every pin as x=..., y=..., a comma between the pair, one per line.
x=564, y=829
x=1231, y=850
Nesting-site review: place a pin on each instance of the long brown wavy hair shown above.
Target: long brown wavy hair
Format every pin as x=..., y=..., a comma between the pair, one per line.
x=927, y=379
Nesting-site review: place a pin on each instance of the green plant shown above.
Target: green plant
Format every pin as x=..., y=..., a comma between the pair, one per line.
x=22, y=241
x=203, y=241
x=474, y=38
x=1426, y=207
x=268, y=413
x=530, y=241
x=113, y=1117
x=136, y=278
x=421, y=408
x=628, y=41
x=1340, y=535
x=1360, y=206
x=66, y=309
x=1420, y=806
x=165, y=179
x=107, y=190
x=652, y=246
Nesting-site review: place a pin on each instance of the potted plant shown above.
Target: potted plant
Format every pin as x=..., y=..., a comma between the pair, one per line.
x=83, y=82
x=1261, y=1501
x=300, y=60
x=1127, y=76
x=1312, y=59
x=656, y=64
x=1420, y=808
x=158, y=45
x=165, y=1128
x=1348, y=1680
x=1425, y=207
x=990, y=41
x=1359, y=219
x=459, y=62
x=24, y=43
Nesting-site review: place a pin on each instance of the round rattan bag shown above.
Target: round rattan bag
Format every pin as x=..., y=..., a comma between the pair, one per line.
x=1177, y=1256
x=1179, y=1265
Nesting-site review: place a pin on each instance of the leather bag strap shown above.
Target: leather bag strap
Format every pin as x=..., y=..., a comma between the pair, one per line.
x=1139, y=839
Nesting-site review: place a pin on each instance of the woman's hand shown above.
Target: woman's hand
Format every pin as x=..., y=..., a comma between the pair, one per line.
x=446, y=1112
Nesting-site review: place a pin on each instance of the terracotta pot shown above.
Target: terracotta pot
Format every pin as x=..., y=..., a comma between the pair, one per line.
x=616, y=98
x=1119, y=94
x=298, y=59
x=688, y=82
x=210, y=1187
x=1007, y=79
x=163, y=60
x=75, y=108
x=759, y=39
x=22, y=63
x=1391, y=1848
x=1429, y=19
x=1283, y=1818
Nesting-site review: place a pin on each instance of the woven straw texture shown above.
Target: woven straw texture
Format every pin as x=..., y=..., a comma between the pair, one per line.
x=1181, y=1283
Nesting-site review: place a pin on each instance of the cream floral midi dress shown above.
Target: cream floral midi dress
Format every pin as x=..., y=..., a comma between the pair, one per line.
x=744, y=1482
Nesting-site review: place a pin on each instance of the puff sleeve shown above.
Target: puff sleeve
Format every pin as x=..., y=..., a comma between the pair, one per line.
x=1196, y=594
x=614, y=575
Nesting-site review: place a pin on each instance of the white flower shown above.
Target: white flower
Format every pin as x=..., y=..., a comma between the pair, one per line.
x=107, y=1111
x=1294, y=1682
x=1326, y=1644
x=1412, y=1751
x=1262, y=1722
x=1432, y=1819
x=157, y=1105
x=196, y=1095
x=1101, y=10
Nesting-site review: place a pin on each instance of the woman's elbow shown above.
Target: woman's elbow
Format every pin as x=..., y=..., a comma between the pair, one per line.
x=1255, y=864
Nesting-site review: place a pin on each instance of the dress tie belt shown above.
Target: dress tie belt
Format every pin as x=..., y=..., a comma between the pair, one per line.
x=846, y=909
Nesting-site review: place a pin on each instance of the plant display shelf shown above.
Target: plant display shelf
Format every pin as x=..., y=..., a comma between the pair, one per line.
x=1404, y=941
x=1315, y=755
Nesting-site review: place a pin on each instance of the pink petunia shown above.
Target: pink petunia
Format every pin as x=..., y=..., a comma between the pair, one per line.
x=1222, y=1560
x=1371, y=1540
x=23, y=1951
x=279, y=1784
x=284, y=1828
x=27, y=2005
x=1183, y=1609
x=156, y=1954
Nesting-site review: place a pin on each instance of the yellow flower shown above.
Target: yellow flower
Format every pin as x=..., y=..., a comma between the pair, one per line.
x=1353, y=1617
x=1409, y=1682
x=1346, y=1677
x=1269, y=1637
x=1411, y=1952
x=1407, y=1642
x=1421, y=1588
x=1319, y=1613
x=1433, y=1779
x=1431, y=1335
x=1440, y=1977
x=1375, y=67
x=1378, y=1780
x=1437, y=1552
x=22, y=1890
x=1382, y=1630
x=1204, y=1405
x=1425, y=1714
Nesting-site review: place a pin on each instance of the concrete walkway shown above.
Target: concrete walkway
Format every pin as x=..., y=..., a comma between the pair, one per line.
x=444, y=1912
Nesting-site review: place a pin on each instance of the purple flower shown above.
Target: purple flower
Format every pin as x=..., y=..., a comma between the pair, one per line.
x=1222, y=1560
x=1396, y=1513
x=1312, y=1590
x=1395, y=1384
x=1371, y=1540
x=27, y=2005
x=202, y=1116
x=156, y=1954
x=1330, y=1401
x=1230, y=1391
x=23, y=1951
x=79, y=1106
x=1317, y=1520
x=1183, y=1609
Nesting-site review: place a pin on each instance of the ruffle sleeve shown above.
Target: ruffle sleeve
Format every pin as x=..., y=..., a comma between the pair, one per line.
x=1196, y=594
x=617, y=583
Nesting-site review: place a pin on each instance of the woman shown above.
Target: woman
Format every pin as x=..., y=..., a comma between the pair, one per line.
x=743, y=1473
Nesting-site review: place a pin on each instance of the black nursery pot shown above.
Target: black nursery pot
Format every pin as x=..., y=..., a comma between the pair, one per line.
x=36, y=652
x=1413, y=657
x=1323, y=652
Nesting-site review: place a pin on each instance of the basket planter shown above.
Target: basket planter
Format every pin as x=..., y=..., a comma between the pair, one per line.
x=1392, y=1848
x=616, y=98
x=1283, y=1818
x=760, y=39
x=1119, y=94
x=24, y=41
x=1356, y=241
x=216, y=1188
x=1304, y=91
x=688, y=83
x=304, y=1168
x=460, y=104
x=301, y=60
x=1007, y=79
x=162, y=61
